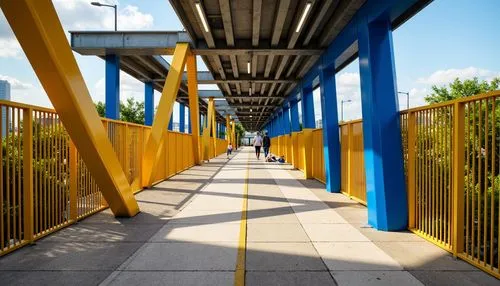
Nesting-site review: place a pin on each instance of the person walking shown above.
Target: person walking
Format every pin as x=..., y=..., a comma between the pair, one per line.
x=229, y=149
x=257, y=143
x=266, y=144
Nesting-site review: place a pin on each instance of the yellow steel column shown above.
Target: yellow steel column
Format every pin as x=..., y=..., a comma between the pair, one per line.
x=307, y=152
x=228, y=129
x=207, y=129
x=38, y=30
x=233, y=132
x=214, y=131
x=458, y=178
x=194, y=112
x=165, y=107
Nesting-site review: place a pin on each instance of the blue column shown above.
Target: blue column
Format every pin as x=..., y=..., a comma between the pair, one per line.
x=294, y=116
x=182, y=118
x=171, y=123
x=331, y=140
x=149, y=99
x=307, y=108
x=385, y=182
x=190, y=130
x=286, y=120
x=112, y=87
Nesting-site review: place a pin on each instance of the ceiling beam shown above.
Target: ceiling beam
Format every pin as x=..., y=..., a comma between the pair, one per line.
x=256, y=16
x=341, y=16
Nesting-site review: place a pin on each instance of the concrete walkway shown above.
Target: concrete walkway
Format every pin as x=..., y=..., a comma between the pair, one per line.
x=191, y=227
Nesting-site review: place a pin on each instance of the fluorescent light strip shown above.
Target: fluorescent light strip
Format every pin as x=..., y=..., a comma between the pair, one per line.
x=303, y=17
x=202, y=17
x=248, y=67
x=250, y=91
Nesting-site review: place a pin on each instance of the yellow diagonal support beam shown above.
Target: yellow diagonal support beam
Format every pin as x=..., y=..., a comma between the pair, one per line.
x=38, y=30
x=194, y=111
x=208, y=128
x=165, y=108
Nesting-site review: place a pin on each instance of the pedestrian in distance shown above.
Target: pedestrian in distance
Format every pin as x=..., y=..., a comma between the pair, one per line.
x=257, y=143
x=229, y=149
x=266, y=144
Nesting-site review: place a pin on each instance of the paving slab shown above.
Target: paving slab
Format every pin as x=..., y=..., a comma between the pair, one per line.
x=295, y=278
x=104, y=233
x=186, y=278
x=282, y=257
x=333, y=232
x=317, y=213
x=49, y=278
x=272, y=232
x=197, y=233
x=358, y=256
x=184, y=257
x=283, y=215
x=375, y=278
x=454, y=278
x=199, y=217
x=70, y=256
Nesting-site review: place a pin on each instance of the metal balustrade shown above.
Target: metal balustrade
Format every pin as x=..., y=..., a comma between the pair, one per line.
x=45, y=184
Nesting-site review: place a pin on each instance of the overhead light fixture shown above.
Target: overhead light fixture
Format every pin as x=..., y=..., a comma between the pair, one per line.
x=250, y=116
x=250, y=110
x=202, y=16
x=303, y=17
x=248, y=67
x=250, y=91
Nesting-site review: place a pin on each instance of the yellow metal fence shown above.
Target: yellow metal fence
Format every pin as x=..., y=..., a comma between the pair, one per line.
x=45, y=184
x=353, y=182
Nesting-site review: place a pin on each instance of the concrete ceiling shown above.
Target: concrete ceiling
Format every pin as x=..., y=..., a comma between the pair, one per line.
x=262, y=33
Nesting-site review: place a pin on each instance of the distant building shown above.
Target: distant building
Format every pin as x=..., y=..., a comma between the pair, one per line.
x=4, y=95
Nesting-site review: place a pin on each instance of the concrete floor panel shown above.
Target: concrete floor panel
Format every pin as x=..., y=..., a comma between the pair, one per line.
x=357, y=256
x=295, y=278
x=333, y=232
x=185, y=278
x=375, y=278
x=197, y=233
x=273, y=232
x=184, y=257
x=282, y=257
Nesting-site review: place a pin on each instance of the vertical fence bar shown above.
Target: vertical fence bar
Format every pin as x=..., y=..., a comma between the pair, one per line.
x=458, y=178
x=73, y=181
x=28, y=174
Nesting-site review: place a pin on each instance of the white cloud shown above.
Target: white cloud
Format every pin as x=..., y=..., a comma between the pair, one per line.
x=10, y=48
x=129, y=87
x=80, y=15
x=444, y=77
x=15, y=83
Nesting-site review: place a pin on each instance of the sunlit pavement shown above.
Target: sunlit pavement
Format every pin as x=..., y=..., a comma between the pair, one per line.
x=189, y=230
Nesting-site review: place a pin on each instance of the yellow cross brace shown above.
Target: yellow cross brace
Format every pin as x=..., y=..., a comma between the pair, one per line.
x=39, y=31
x=208, y=129
x=165, y=108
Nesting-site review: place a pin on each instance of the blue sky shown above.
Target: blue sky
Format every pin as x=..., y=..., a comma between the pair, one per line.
x=448, y=39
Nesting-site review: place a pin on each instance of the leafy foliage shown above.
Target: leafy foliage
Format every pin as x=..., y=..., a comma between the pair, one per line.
x=459, y=89
x=131, y=111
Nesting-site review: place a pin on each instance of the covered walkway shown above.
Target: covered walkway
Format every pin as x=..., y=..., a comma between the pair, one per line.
x=261, y=219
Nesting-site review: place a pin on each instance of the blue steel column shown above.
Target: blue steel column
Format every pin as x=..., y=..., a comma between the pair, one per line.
x=190, y=131
x=307, y=108
x=182, y=118
x=113, y=87
x=149, y=99
x=331, y=140
x=171, y=123
x=385, y=183
x=286, y=121
x=294, y=116
x=280, y=123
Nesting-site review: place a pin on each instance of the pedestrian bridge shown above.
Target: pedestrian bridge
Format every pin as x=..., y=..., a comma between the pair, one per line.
x=397, y=198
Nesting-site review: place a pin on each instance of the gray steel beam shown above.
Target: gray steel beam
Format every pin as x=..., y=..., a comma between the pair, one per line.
x=256, y=16
x=342, y=15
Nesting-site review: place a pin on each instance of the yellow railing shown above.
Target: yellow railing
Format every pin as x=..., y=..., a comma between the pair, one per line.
x=318, y=158
x=45, y=185
x=353, y=182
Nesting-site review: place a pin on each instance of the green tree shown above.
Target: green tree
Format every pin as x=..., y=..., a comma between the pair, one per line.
x=101, y=108
x=132, y=111
x=240, y=132
x=458, y=89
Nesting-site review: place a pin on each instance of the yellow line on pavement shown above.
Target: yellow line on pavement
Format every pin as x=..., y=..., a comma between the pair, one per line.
x=239, y=275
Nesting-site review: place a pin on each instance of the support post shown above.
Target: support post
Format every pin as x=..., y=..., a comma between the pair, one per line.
x=112, y=87
x=294, y=116
x=308, y=125
x=331, y=140
x=208, y=129
x=194, y=111
x=228, y=129
x=165, y=108
x=28, y=175
x=286, y=121
x=171, y=123
x=182, y=118
x=38, y=30
x=385, y=182
x=190, y=129
x=149, y=101
x=458, y=178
